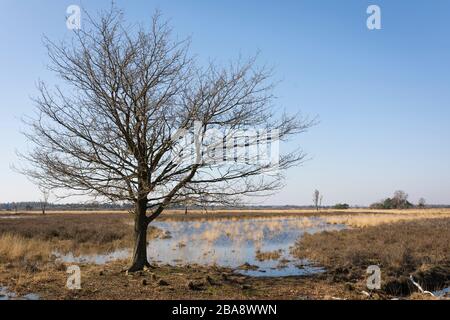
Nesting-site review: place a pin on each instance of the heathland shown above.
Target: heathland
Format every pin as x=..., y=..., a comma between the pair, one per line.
x=403, y=243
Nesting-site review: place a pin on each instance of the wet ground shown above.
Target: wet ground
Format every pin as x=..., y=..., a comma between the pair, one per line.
x=442, y=293
x=230, y=243
x=5, y=294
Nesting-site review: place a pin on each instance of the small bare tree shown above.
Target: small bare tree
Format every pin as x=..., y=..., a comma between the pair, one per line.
x=136, y=118
x=422, y=203
x=321, y=201
x=316, y=199
x=45, y=195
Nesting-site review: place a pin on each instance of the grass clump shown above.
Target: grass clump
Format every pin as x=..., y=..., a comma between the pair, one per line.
x=400, y=249
x=14, y=247
x=268, y=255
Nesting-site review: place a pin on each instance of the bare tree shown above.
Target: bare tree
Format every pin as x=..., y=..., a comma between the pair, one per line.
x=131, y=98
x=45, y=195
x=316, y=199
x=422, y=203
x=400, y=199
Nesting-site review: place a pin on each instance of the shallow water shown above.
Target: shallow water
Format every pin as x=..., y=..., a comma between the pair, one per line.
x=234, y=242
x=15, y=217
x=94, y=258
x=227, y=243
x=442, y=293
x=5, y=294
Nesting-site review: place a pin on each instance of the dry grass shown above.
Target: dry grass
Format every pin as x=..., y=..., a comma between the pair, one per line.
x=110, y=282
x=14, y=247
x=174, y=211
x=77, y=233
x=363, y=216
x=268, y=255
x=372, y=219
x=400, y=249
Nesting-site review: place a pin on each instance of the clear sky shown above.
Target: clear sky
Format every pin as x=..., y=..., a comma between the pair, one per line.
x=383, y=96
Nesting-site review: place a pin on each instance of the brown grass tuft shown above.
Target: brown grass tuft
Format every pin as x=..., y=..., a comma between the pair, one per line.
x=400, y=249
x=76, y=233
x=268, y=255
x=15, y=247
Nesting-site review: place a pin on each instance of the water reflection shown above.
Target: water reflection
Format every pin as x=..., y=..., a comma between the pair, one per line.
x=234, y=242
x=93, y=258
x=227, y=243
x=5, y=294
x=442, y=293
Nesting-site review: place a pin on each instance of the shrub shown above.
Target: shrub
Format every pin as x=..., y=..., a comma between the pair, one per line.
x=341, y=206
x=398, y=201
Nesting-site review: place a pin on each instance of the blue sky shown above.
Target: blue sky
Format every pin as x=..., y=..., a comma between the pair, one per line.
x=383, y=96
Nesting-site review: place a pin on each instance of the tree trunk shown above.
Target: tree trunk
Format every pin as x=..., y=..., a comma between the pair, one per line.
x=140, y=261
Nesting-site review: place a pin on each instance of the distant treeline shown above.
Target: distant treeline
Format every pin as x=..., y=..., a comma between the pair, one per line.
x=32, y=206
